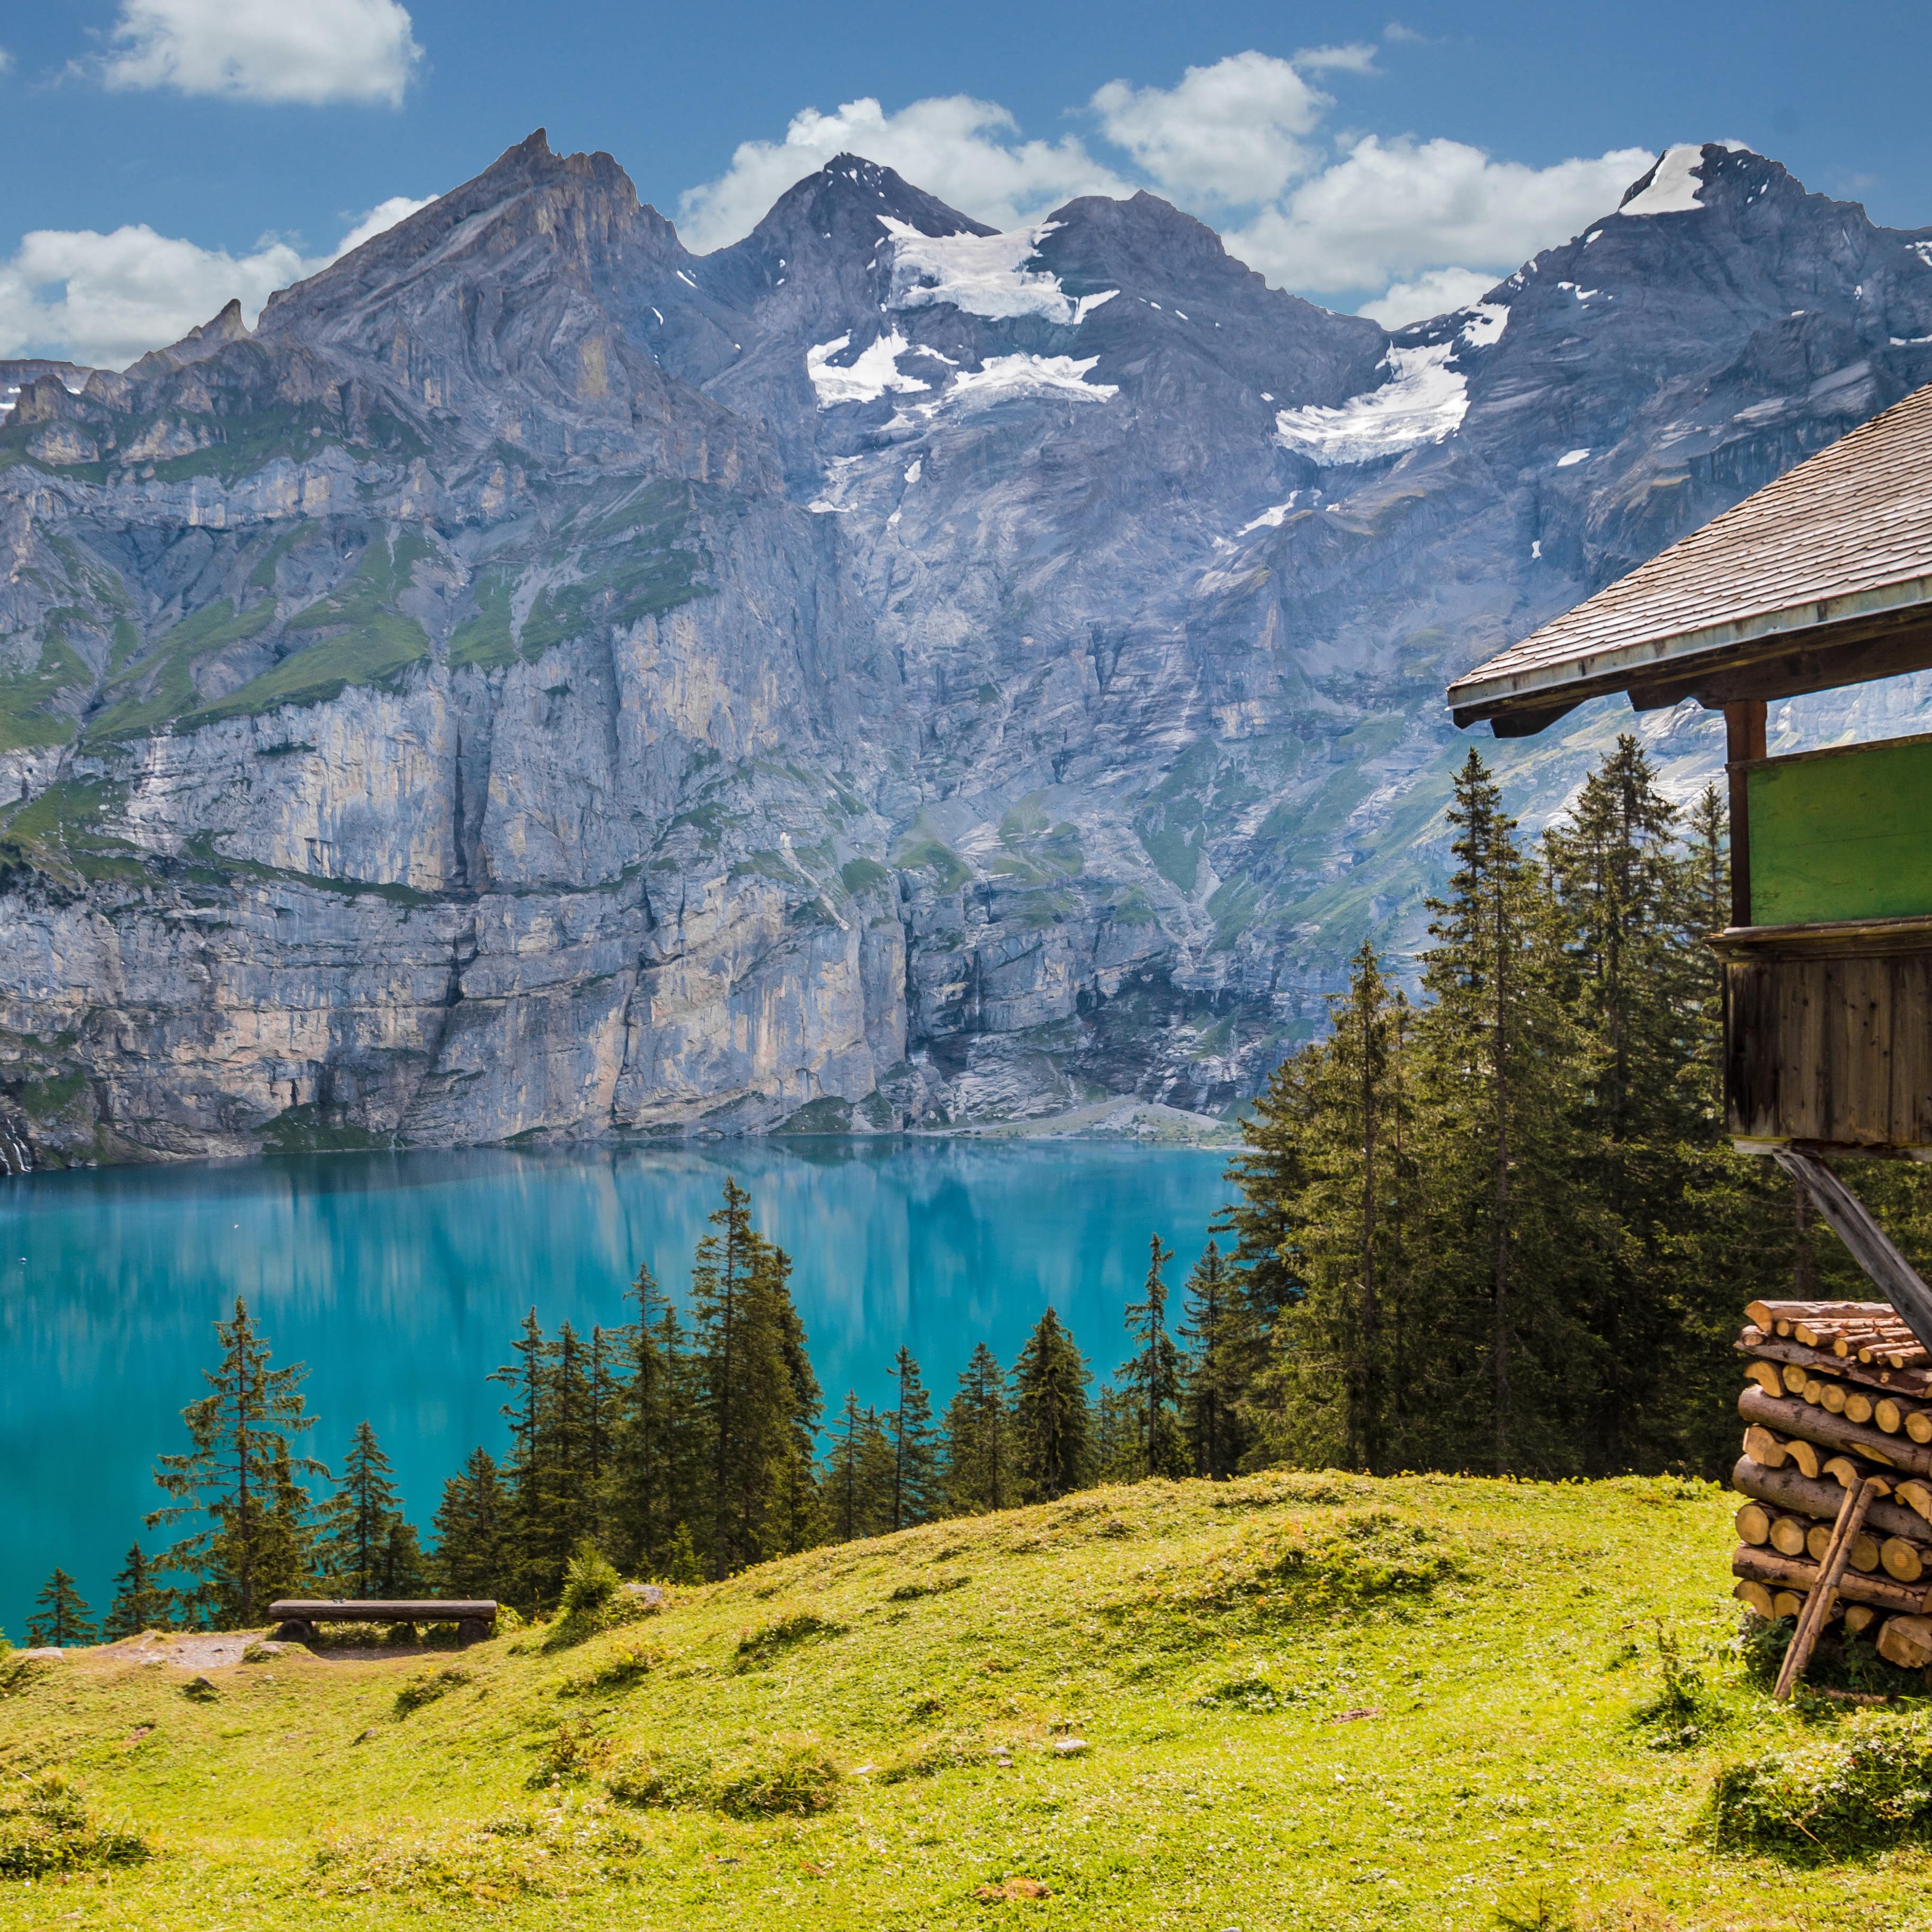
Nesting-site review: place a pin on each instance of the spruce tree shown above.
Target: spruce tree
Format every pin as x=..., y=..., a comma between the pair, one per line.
x=1049, y=1382
x=1638, y=976
x=979, y=1472
x=857, y=1484
x=241, y=1476
x=1336, y=1390
x=140, y=1604
x=758, y=1398
x=1218, y=1342
x=1116, y=1445
x=916, y=1486
x=657, y=1461
x=404, y=1569
x=1500, y=1068
x=62, y=1621
x=1152, y=1375
x=473, y=1555
x=356, y=1544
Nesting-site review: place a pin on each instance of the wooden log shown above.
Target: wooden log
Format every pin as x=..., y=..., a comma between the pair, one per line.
x=1796, y=1375
x=1786, y=1536
x=1833, y=1431
x=1765, y=1449
x=1754, y=1524
x=1916, y=1496
x=1859, y=1407
x=1859, y=1616
x=1767, y=1315
x=1870, y=1246
x=1789, y=1488
x=1756, y=1596
x=1849, y=1471
x=1832, y=1563
x=1903, y=1559
x=1767, y=1376
x=1787, y=1603
x=1907, y=1642
x=1834, y=1396
x=1788, y=1572
x=1867, y=1553
x=1916, y=1382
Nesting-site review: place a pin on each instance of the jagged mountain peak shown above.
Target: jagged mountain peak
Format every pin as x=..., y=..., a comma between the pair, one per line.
x=835, y=211
x=532, y=216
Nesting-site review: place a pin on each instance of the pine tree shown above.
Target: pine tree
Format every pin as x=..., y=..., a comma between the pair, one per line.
x=240, y=1475
x=1217, y=1368
x=1152, y=1375
x=916, y=1487
x=980, y=1454
x=1501, y=1067
x=858, y=1480
x=357, y=1543
x=139, y=1603
x=758, y=1398
x=657, y=1451
x=63, y=1622
x=1638, y=975
x=1116, y=1445
x=402, y=1570
x=473, y=1557
x=1050, y=1412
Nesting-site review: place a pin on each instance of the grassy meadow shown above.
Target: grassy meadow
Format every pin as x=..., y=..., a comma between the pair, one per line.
x=1294, y=1701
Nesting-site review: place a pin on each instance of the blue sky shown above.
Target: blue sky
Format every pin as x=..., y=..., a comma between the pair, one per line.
x=160, y=155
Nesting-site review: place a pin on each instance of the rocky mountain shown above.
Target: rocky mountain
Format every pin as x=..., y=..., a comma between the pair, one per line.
x=540, y=682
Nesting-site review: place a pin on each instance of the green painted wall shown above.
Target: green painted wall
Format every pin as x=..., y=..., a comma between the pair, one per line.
x=1848, y=835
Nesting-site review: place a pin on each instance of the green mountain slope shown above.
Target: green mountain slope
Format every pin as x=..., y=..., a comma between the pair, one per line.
x=1295, y=1701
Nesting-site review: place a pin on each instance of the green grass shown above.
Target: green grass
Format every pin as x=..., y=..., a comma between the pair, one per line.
x=377, y=651
x=1303, y=1701
x=27, y=717
x=167, y=676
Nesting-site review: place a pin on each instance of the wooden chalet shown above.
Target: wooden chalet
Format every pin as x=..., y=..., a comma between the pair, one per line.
x=1821, y=579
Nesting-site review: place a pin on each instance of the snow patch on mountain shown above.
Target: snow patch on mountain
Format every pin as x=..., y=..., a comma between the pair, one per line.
x=982, y=274
x=1273, y=517
x=1000, y=377
x=1674, y=187
x=865, y=380
x=1425, y=401
x=1485, y=326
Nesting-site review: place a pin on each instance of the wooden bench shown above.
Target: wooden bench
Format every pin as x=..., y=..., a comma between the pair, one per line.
x=296, y=1617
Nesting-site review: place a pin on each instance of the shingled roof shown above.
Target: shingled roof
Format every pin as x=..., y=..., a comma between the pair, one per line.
x=1823, y=577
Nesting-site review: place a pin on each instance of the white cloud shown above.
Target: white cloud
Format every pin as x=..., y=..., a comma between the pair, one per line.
x=379, y=221
x=1354, y=57
x=1435, y=293
x=6, y=62
x=102, y=300
x=309, y=51
x=1401, y=208
x=1234, y=133
x=966, y=151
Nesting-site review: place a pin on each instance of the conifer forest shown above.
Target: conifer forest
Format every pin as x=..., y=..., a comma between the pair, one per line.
x=1467, y=1227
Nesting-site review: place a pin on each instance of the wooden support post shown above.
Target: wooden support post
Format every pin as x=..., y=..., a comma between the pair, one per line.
x=1830, y=1568
x=1744, y=740
x=1870, y=1246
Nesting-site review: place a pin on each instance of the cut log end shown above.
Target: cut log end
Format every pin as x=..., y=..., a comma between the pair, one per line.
x=1907, y=1642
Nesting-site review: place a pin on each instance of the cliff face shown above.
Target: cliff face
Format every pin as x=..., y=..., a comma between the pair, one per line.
x=543, y=682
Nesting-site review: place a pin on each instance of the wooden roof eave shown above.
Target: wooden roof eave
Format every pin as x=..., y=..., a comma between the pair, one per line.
x=1819, y=645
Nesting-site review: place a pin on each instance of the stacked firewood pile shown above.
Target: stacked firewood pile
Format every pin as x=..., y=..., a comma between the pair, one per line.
x=1838, y=1404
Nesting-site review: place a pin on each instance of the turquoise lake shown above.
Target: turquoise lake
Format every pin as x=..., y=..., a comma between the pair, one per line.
x=399, y=1279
